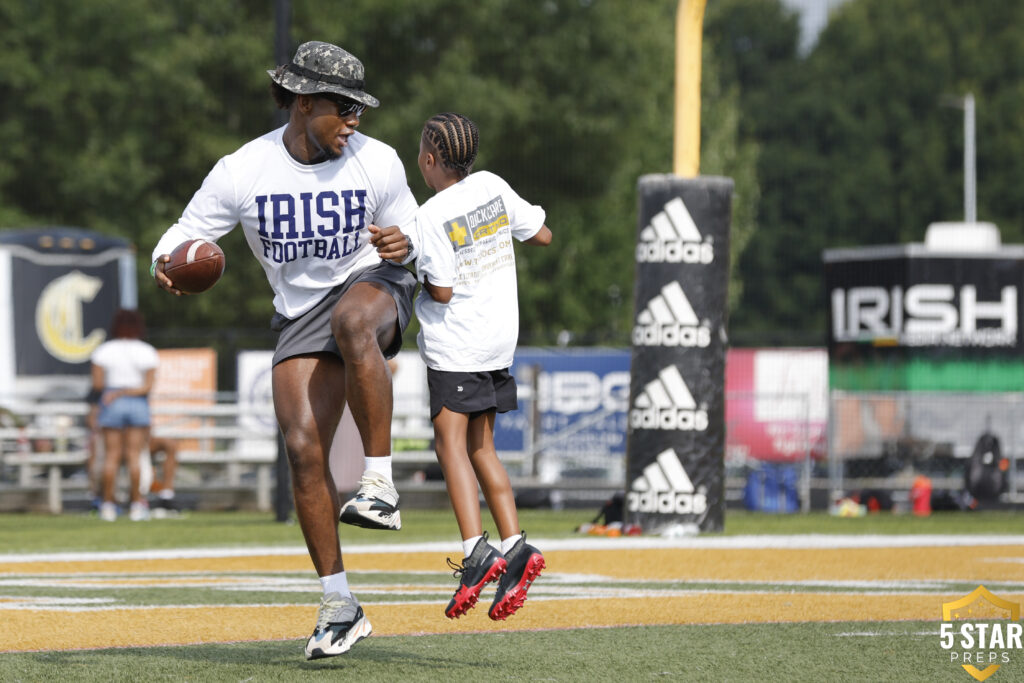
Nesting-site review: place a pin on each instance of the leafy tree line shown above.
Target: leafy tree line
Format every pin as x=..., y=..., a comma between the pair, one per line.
x=114, y=111
x=858, y=145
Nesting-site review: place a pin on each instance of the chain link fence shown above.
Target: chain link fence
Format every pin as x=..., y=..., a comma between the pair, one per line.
x=885, y=441
x=774, y=451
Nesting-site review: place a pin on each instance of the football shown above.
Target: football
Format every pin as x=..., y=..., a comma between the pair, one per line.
x=195, y=266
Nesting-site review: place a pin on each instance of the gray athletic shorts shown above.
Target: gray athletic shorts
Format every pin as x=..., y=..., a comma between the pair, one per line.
x=311, y=331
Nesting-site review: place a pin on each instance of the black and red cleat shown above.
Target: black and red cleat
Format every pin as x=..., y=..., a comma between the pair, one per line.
x=484, y=564
x=524, y=565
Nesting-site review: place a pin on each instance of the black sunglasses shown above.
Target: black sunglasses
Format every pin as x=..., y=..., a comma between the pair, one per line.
x=347, y=107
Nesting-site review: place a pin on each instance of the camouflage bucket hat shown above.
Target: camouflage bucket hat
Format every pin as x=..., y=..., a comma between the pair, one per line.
x=324, y=68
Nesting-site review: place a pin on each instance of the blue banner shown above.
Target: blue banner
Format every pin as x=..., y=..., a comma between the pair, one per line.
x=583, y=403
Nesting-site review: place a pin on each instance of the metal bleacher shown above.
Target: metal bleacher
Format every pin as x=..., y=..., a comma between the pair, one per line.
x=223, y=446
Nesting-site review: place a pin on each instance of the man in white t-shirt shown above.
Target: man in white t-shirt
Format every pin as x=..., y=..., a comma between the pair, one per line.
x=310, y=197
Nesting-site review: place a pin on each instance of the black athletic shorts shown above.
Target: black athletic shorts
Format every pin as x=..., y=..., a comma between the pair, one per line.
x=471, y=393
x=311, y=331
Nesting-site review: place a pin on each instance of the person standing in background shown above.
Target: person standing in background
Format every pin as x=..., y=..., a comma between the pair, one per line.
x=123, y=371
x=162, y=489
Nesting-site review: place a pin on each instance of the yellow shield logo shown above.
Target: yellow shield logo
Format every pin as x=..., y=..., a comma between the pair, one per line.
x=980, y=604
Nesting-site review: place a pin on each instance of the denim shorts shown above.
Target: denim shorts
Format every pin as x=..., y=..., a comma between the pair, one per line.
x=125, y=411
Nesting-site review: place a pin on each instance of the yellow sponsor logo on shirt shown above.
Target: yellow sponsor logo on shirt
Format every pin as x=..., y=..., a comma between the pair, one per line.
x=490, y=228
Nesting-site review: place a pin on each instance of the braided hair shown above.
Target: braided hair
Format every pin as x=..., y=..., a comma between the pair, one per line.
x=455, y=138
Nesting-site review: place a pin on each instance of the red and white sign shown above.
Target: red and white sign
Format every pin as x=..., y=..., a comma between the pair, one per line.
x=776, y=404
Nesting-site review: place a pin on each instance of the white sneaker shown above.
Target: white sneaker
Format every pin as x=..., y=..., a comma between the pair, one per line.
x=108, y=512
x=340, y=624
x=139, y=512
x=375, y=506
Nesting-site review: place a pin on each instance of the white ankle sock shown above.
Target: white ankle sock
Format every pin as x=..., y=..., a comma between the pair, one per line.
x=381, y=464
x=468, y=545
x=336, y=583
x=507, y=543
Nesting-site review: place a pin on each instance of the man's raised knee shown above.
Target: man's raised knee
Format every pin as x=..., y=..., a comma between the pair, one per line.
x=360, y=333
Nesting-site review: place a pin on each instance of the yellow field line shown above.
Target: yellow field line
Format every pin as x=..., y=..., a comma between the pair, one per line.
x=961, y=563
x=48, y=629
x=27, y=630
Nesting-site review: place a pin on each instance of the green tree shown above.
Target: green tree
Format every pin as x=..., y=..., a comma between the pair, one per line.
x=857, y=148
x=115, y=111
x=112, y=115
x=571, y=109
x=746, y=44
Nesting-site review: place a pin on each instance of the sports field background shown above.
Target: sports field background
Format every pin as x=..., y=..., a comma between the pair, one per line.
x=232, y=596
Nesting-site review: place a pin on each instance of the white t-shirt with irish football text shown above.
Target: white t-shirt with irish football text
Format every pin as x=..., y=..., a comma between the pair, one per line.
x=305, y=223
x=466, y=233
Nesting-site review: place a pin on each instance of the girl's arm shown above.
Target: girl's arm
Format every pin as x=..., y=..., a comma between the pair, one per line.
x=98, y=377
x=441, y=295
x=147, y=386
x=542, y=238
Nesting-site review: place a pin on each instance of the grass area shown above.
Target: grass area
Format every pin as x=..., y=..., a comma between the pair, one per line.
x=812, y=651
x=24, y=533
x=852, y=651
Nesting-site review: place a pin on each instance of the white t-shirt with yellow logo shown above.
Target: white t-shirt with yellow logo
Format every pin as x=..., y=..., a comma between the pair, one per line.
x=466, y=232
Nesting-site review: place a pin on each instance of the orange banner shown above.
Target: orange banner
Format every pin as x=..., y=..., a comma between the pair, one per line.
x=185, y=379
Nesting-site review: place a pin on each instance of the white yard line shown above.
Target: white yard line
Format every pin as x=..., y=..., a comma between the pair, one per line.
x=795, y=542
x=537, y=594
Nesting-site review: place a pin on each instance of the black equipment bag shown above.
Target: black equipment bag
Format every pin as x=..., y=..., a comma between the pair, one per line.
x=985, y=478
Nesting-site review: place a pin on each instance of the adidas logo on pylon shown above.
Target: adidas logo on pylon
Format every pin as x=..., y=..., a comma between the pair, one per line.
x=669, y=320
x=666, y=403
x=672, y=237
x=665, y=487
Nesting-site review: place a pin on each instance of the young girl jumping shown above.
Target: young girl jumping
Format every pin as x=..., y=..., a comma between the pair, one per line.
x=469, y=324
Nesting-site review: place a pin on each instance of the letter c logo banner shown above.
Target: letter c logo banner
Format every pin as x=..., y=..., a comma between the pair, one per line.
x=59, y=317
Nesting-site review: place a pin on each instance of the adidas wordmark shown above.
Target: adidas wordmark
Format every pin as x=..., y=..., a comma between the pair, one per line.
x=665, y=487
x=672, y=237
x=669, y=320
x=666, y=403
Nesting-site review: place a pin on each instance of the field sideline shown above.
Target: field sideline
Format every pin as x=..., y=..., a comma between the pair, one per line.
x=785, y=604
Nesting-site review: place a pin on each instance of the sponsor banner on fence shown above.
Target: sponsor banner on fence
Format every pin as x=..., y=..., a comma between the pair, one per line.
x=676, y=425
x=185, y=379
x=256, y=401
x=582, y=406
x=584, y=412
x=256, y=406
x=776, y=404
x=255, y=395
x=59, y=288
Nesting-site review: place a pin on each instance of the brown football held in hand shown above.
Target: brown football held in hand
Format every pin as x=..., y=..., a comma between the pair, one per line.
x=195, y=266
